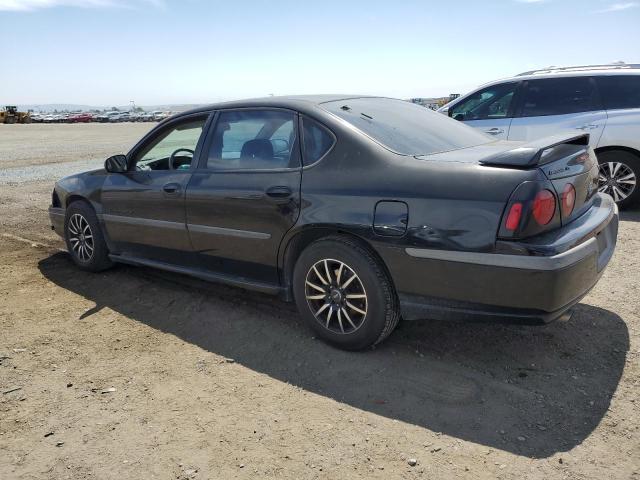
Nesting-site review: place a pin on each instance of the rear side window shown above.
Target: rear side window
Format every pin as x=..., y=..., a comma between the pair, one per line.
x=404, y=127
x=254, y=139
x=619, y=91
x=317, y=141
x=489, y=103
x=558, y=96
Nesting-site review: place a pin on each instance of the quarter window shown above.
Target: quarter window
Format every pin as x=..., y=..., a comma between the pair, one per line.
x=619, y=91
x=558, y=96
x=317, y=141
x=492, y=102
x=254, y=139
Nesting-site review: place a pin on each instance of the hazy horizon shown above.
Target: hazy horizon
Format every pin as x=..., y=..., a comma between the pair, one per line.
x=161, y=52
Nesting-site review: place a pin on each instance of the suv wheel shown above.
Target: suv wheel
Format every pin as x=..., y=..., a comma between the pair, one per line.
x=84, y=239
x=344, y=294
x=619, y=175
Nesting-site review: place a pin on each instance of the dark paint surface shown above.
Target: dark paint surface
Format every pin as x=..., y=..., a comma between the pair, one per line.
x=226, y=223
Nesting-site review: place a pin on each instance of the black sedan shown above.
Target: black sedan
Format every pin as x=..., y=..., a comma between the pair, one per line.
x=362, y=210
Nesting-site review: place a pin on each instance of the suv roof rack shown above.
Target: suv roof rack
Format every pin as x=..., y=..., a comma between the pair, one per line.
x=607, y=66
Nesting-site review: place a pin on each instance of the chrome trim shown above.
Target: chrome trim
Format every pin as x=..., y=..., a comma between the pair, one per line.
x=230, y=232
x=555, y=262
x=145, y=222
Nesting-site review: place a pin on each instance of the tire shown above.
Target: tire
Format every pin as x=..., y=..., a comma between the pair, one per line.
x=335, y=314
x=84, y=238
x=616, y=169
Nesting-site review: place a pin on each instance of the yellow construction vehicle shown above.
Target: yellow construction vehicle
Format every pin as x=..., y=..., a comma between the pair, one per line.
x=10, y=114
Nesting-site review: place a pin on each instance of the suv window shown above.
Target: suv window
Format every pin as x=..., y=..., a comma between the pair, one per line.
x=491, y=102
x=404, y=127
x=171, y=149
x=619, y=91
x=558, y=96
x=254, y=139
x=317, y=141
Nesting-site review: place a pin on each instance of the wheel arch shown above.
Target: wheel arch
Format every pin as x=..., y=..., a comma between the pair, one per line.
x=300, y=240
x=615, y=148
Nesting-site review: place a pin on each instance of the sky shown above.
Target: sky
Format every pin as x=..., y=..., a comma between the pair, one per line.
x=109, y=52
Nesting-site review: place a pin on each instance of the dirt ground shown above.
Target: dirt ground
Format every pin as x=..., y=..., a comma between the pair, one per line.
x=134, y=373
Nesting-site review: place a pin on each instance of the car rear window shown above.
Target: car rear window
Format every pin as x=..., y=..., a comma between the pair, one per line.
x=619, y=91
x=404, y=127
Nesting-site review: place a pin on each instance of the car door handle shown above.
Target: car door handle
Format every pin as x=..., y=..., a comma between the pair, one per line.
x=590, y=126
x=279, y=192
x=494, y=131
x=171, y=188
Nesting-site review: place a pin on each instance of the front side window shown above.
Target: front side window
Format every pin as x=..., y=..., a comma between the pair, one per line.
x=491, y=102
x=172, y=149
x=254, y=139
x=558, y=96
x=317, y=141
x=404, y=127
x=619, y=91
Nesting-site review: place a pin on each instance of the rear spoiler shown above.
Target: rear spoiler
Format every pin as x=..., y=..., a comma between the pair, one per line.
x=535, y=153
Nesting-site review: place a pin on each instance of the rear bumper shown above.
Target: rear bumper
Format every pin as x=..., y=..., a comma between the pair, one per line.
x=548, y=276
x=56, y=216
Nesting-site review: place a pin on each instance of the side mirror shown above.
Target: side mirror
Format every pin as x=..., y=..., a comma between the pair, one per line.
x=116, y=164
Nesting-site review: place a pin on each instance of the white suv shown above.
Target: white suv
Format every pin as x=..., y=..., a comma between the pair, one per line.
x=602, y=100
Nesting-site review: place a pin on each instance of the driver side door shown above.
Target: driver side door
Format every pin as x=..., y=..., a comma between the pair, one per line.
x=144, y=208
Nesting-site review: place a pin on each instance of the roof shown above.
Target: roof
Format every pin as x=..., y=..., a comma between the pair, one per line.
x=297, y=102
x=615, y=67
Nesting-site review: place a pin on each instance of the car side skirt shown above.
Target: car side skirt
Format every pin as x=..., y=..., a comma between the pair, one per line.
x=208, y=276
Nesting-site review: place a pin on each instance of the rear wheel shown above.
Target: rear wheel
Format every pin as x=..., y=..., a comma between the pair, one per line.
x=344, y=294
x=84, y=238
x=619, y=175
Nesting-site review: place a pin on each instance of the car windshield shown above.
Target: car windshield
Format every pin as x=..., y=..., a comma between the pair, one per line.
x=404, y=127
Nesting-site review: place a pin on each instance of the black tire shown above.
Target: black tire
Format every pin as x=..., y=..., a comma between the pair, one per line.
x=380, y=299
x=631, y=162
x=89, y=254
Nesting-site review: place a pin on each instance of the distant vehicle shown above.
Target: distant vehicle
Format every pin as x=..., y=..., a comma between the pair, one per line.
x=601, y=100
x=10, y=114
x=108, y=116
x=80, y=118
x=37, y=117
x=146, y=117
x=159, y=115
x=362, y=210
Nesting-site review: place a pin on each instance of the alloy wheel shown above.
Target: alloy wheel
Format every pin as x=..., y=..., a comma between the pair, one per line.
x=617, y=179
x=80, y=237
x=336, y=296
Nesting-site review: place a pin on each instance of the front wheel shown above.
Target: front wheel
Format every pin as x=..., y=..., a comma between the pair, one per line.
x=84, y=238
x=344, y=294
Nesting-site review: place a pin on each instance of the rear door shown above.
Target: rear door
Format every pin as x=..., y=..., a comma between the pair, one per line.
x=489, y=110
x=144, y=208
x=556, y=105
x=245, y=195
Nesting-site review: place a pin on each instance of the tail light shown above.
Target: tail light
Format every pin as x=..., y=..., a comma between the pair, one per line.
x=544, y=207
x=567, y=200
x=532, y=209
x=514, y=216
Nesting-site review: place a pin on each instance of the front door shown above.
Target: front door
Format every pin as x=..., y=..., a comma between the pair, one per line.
x=245, y=195
x=490, y=110
x=559, y=105
x=144, y=208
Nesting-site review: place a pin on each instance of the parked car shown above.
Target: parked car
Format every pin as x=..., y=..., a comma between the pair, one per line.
x=362, y=210
x=80, y=118
x=602, y=100
x=146, y=117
